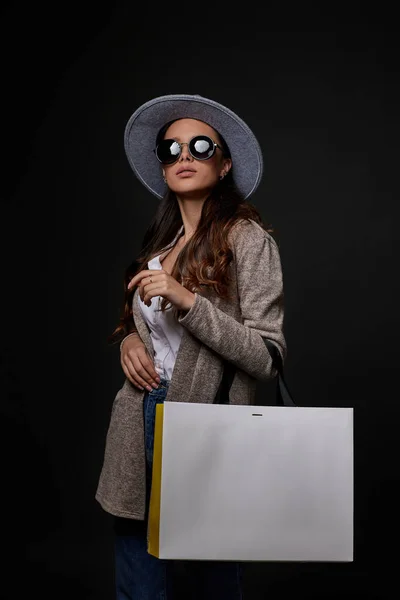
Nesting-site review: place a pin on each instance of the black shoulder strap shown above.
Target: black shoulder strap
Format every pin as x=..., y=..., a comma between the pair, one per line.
x=283, y=396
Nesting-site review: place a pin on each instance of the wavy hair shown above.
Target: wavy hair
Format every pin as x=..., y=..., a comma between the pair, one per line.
x=205, y=259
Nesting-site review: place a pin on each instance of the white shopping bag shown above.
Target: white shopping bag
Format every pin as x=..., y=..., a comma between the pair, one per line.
x=251, y=483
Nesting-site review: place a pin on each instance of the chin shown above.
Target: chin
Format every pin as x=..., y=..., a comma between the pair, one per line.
x=187, y=187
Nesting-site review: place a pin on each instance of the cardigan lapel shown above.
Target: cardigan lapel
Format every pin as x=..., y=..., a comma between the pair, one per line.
x=141, y=324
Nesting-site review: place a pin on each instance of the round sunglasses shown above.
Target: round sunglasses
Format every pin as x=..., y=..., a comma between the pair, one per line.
x=201, y=147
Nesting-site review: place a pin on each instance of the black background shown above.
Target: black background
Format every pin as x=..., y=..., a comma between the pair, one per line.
x=321, y=92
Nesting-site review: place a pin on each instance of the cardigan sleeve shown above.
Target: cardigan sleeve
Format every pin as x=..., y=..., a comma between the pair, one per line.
x=260, y=289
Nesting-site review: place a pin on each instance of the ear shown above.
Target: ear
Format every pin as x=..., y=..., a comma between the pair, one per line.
x=226, y=166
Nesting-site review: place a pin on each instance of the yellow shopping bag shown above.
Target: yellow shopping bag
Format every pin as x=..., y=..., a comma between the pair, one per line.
x=153, y=531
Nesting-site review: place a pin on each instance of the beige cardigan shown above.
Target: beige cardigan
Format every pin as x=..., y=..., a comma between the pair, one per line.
x=216, y=330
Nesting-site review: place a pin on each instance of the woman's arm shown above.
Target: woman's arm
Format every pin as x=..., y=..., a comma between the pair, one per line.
x=260, y=288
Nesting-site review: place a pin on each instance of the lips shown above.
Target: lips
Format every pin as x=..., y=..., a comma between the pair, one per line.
x=185, y=170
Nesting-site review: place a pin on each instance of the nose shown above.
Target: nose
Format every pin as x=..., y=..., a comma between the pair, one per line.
x=185, y=155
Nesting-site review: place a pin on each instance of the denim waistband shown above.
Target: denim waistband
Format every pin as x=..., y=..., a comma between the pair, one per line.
x=156, y=394
x=164, y=381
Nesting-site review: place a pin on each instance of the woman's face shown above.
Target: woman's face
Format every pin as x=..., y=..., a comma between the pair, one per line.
x=188, y=175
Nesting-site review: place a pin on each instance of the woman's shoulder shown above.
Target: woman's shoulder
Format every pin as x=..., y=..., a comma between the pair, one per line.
x=248, y=231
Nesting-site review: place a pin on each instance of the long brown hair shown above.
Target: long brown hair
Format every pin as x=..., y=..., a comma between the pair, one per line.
x=205, y=259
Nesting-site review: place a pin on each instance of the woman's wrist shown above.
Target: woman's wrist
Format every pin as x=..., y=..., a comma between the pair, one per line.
x=126, y=337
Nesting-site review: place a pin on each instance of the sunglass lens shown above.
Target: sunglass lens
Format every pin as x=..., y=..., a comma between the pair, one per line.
x=168, y=151
x=201, y=147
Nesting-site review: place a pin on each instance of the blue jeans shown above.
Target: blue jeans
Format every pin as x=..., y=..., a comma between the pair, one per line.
x=141, y=576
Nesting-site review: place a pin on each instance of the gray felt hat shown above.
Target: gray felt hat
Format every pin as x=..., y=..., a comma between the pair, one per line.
x=145, y=123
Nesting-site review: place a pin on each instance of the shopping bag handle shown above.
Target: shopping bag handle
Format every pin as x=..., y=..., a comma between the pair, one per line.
x=283, y=396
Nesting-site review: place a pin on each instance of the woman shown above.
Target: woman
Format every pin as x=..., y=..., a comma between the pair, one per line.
x=205, y=294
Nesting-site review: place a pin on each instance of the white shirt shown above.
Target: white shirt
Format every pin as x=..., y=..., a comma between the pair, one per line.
x=165, y=331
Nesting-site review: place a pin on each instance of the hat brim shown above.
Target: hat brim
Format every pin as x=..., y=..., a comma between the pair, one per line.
x=145, y=123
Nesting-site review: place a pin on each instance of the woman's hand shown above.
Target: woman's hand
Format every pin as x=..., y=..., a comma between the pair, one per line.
x=137, y=364
x=162, y=284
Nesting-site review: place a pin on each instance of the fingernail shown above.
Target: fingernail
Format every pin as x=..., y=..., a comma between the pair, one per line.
x=155, y=386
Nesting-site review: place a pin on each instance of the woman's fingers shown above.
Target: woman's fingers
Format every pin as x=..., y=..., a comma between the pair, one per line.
x=127, y=374
x=137, y=364
x=131, y=373
x=141, y=368
x=144, y=365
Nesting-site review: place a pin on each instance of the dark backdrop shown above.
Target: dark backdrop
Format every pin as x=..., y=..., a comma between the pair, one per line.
x=321, y=93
